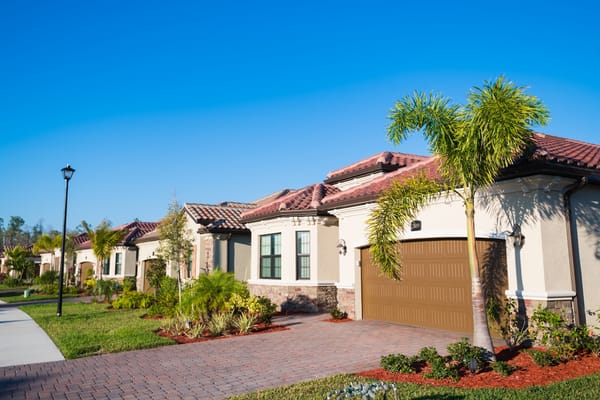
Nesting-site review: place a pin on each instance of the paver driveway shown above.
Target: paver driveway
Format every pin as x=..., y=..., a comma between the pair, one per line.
x=217, y=369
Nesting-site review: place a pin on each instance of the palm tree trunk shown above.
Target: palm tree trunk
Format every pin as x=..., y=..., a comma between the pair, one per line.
x=481, y=330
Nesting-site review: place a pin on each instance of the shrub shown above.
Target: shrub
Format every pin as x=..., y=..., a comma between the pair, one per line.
x=440, y=369
x=336, y=313
x=133, y=300
x=428, y=354
x=399, y=363
x=552, y=331
x=166, y=298
x=463, y=352
x=3, y=276
x=543, y=358
x=89, y=285
x=47, y=278
x=503, y=368
x=511, y=326
x=105, y=288
x=219, y=323
x=129, y=284
x=244, y=322
x=12, y=282
x=210, y=293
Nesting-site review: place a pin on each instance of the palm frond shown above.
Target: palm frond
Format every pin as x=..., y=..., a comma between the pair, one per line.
x=396, y=207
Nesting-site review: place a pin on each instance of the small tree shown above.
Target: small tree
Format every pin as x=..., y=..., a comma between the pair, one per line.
x=19, y=260
x=175, y=240
x=103, y=239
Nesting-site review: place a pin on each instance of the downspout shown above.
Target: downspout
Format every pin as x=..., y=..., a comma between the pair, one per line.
x=576, y=284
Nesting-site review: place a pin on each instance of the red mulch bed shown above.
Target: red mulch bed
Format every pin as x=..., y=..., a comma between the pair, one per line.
x=261, y=328
x=528, y=374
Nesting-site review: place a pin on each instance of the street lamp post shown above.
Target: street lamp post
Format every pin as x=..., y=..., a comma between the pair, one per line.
x=67, y=174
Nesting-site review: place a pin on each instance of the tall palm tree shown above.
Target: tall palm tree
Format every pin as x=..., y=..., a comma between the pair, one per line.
x=103, y=240
x=48, y=244
x=473, y=143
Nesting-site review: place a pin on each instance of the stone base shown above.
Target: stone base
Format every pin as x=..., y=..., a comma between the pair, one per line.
x=298, y=298
x=346, y=301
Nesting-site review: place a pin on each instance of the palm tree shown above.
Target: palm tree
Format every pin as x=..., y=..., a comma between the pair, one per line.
x=47, y=244
x=103, y=240
x=19, y=260
x=473, y=143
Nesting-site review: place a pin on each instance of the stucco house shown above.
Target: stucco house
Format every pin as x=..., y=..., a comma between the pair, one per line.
x=220, y=241
x=537, y=228
x=123, y=259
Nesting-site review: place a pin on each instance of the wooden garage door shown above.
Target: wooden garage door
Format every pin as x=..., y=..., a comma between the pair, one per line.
x=435, y=290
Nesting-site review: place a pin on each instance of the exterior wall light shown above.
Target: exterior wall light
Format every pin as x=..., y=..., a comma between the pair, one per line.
x=517, y=235
x=341, y=246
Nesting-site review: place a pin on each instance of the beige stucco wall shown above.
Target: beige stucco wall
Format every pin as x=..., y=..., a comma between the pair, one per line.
x=539, y=270
x=586, y=212
x=239, y=255
x=323, y=251
x=146, y=251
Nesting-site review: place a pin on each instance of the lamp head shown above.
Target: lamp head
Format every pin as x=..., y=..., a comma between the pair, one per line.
x=67, y=172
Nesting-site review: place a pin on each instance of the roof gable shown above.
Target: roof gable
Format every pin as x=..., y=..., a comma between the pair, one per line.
x=219, y=217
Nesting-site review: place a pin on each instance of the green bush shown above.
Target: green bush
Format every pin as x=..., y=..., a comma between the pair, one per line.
x=12, y=282
x=463, y=352
x=133, y=300
x=441, y=369
x=260, y=307
x=210, y=293
x=428, y=354
x=129, y=284
x=560, y=338
x=399, y=363
x=503, y=368
x=105, y=288
x=336, y=313
x=47, y=278
x=244, y=322
x=511, y=326
x=219, y=323
x=543, y=358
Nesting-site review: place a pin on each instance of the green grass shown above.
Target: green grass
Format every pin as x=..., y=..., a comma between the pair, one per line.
x=90, y=329
x=17, y=298
x=581, y=388
x=13, y=288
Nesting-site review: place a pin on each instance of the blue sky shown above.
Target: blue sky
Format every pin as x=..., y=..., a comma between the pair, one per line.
x=234, y=100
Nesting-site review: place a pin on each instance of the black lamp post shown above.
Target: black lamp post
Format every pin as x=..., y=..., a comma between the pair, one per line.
x=67, y=174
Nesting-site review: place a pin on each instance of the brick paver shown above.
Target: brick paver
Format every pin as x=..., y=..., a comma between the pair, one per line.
x=310, y=348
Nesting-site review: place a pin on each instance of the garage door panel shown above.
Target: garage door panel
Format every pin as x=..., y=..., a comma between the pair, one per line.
x=435, y=290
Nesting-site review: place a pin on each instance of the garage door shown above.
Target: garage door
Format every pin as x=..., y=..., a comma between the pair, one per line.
x=435, y=290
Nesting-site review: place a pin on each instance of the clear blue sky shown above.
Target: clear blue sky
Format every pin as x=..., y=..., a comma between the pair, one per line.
x=233, y=100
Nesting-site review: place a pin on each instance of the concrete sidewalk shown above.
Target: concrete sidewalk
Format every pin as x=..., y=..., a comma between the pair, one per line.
x=22, y=341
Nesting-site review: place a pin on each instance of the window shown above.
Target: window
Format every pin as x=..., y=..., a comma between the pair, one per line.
x=303, y=255
x=270, y=256
x=106, y=266
x=117, y=263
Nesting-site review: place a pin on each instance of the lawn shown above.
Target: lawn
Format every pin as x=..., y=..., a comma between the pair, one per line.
x=11, y=297
x=580, y=388
x=88, y=329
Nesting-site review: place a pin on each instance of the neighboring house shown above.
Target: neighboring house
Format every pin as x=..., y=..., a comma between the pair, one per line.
x=123, y=259
x=4, y=257
x=537, y=228
x=219, y=241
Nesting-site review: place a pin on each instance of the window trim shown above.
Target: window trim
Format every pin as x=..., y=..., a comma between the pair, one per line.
x=302, y=256
x=272, y=256
x=118, y=263
x=106, y=266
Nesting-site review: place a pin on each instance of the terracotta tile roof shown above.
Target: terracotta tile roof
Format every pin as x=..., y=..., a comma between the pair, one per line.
x=304, y=201
x=134, y=230
x=369, y=191
x=566, y=151
x=382, y=162
x=223, y=217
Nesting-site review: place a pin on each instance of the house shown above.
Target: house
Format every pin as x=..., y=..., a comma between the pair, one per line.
x=537, y=229
x=123, y=259
x=219, y=241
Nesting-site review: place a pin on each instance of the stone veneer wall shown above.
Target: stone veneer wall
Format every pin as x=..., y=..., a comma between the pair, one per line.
x=346, y=302
x=563, y=307
x=298, y=298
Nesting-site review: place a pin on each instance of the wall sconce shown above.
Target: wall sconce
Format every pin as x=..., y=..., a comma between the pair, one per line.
x=341, y=246
x=415, y=225
x=518, y=237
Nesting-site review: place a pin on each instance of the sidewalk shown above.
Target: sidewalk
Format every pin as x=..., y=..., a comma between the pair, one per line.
x=22, y=341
